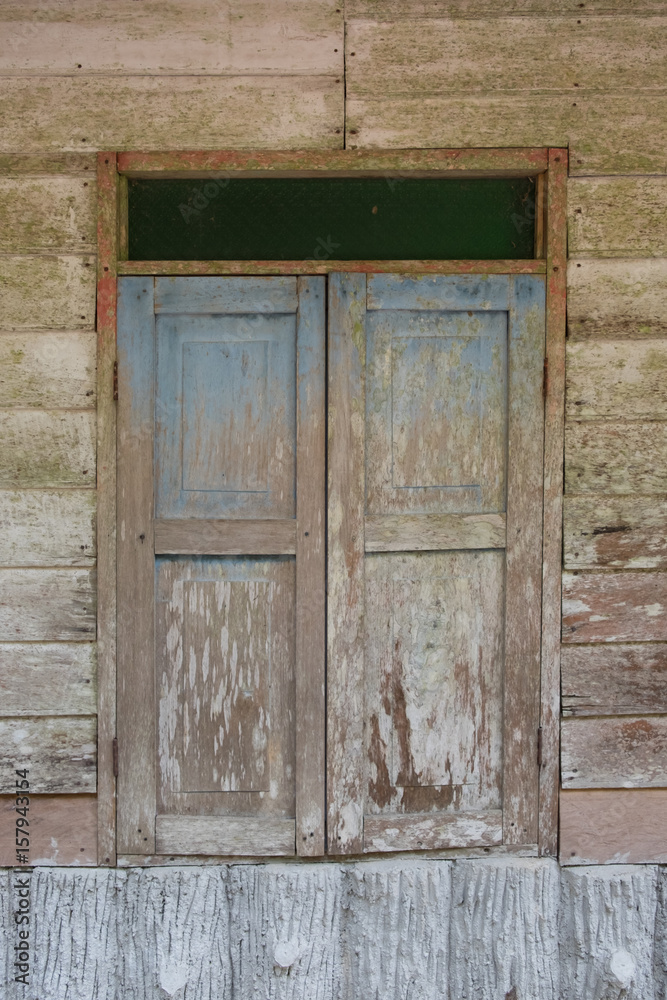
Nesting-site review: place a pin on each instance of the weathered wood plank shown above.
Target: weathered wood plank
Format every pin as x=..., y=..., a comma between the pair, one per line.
x=265, y=37
x=420, y=832
x=393, y=10
x=345, y=569
x=60, y=753
x=49, y=605
x=47, y=448
x=617, y=217
x=184, y=112
x=615, y=680
x=622, y=379
x=503, y=53
x=615, y=458
x=47, y=293
x=47, y=679
x=310, y=716
x=136, y=702
x=22, y=164
x=618, y=532
x=614, y=607
x=45, y=528
x=614, y=753
x=616, y=298
x=412, y=532
x=552, y=527
x=599, y=827
x=523, y=567
x=240, y=537
x=47, y=213
x=47, y=370
x=107, y=240
x=604, y=132
x=63, y=830
x=264, y=836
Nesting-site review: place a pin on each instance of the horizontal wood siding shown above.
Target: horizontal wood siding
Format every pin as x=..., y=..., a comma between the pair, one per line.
x=629, y=752
x=47, y=527
x=615, y=457
x=181, y=112
x=616, y=298
x=392, y=10
x=617, y=217
x=47, y=213
x=47, y=370
x=626, y=532
x=60, y=753
x=617, y=379
x=47, y=448
x=600, y=827
x=63, y=830
x=47, y=293
x=50, y=678
x=43, y=605
x=614, y=607
x=272, y=37
x=624, y=679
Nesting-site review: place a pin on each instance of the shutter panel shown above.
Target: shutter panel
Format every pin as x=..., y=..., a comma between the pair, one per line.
x=220, y=554
x=435, y=520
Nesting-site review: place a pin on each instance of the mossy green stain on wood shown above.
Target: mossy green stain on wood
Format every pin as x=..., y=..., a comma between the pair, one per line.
x=381, y=218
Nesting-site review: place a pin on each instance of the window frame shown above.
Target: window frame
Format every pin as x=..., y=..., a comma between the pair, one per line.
x=549, y=166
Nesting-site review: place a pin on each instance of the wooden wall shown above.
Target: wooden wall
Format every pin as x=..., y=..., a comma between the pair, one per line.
x=215, y=74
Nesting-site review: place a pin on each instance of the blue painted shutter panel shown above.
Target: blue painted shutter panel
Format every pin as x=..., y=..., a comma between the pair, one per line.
x=214, y=770
x=435, y=518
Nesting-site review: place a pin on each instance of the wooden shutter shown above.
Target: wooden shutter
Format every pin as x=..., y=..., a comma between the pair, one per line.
x=434, y=561
x=221, y=566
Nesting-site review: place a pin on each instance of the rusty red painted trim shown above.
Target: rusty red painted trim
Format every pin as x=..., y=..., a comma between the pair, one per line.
x=556, y=235
x=519, y=161
x=168, y=267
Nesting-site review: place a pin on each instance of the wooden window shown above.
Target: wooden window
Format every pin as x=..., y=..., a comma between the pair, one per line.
x=336, y=648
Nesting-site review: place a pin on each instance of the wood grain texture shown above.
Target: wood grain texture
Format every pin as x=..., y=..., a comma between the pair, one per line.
x=183, y=112
x=614, y=607
x=22, y=164
x=523, y=573
x=607, y=925
x=63, y=830
x=393, y=10
x=47, y=679
x=599, y=827
x=617, y=380
x=47, y=293
x=616, y=298
x=411, y=532
x=47, y=605
x=295, y=267
x=604, y=132
x=345, y=568
x=310, y=672
x=482, y=55
x=556, y=249
x=629, y=752
x=493, y=947
x=240, y=537
x=135, y=580
x=107, y=239
x=48, y=448
x=615, y=458
x=624, y=679
x=225, y=835
x=205, y=38
x=420, y=832
x=47, y=528
x=47, y=370
x=617, y=217
x=615, y=532
x=55, y=213
x=60, y=753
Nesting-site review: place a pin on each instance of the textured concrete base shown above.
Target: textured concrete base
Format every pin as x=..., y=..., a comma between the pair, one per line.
x=409, y=930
